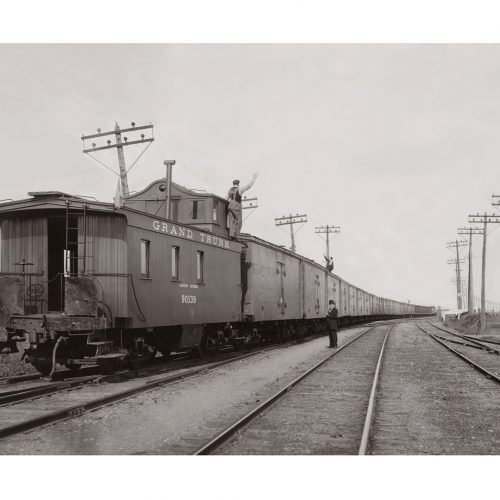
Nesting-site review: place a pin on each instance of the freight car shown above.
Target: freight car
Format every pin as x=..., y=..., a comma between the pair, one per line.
x=89, y=283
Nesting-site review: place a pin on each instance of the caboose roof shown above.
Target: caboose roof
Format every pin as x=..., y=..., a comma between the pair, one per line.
x=50, y=200
x=195, y=193
x=49, y=194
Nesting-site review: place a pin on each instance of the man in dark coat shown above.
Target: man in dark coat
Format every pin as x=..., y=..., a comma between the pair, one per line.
x=331, y=321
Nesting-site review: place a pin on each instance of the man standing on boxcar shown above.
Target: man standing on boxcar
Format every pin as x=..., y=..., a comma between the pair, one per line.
x=331, y=321
x=234, y=212
x=329, y=263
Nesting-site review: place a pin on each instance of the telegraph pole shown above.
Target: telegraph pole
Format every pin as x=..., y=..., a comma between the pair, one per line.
x=327, y=230
x=290, y=220
x=457, y=261
x=252, y=203
x=119, y=144
x=470, y=295
x=485, y=219
x=463, y=284
x=249, y=204
x=456, y=281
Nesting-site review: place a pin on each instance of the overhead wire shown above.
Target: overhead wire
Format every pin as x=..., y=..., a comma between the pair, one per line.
x=104, y=165
x=52, y=84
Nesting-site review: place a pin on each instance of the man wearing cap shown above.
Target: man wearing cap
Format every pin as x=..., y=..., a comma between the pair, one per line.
x=234, y=219
x=331, y=321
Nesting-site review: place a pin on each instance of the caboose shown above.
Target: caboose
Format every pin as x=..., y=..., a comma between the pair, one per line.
x=87, y=282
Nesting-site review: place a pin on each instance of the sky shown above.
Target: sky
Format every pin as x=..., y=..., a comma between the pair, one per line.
x=397, y=144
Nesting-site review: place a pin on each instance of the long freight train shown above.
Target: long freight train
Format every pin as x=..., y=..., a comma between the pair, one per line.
x=89, y=283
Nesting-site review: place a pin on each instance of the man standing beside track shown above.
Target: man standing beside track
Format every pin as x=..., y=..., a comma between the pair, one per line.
x=331, y=321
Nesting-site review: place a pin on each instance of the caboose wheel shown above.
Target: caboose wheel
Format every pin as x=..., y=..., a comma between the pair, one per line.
x=72, y=367
x=149, y=352
x=108, y=366
x=44, y=367
x=207, y=346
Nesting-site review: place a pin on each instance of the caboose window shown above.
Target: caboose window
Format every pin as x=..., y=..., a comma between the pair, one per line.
x=214, y=211
x=67, y=263
x=145, y=258
x=175, y=263
x=174, y=209
x=196, y=209
x=193, y=209
x=199, y=266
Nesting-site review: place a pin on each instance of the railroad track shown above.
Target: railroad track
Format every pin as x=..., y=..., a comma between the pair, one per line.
x=92, y=374
x=275, y=414
x=480, y=343
x=19, y=378
x=28, y=408
x=472, y=352
x=25, y=391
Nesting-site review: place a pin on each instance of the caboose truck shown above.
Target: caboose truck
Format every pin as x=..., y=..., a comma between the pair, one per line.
x=89, y=283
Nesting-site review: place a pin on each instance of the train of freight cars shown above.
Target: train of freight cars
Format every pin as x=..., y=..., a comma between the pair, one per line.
x=88, y=283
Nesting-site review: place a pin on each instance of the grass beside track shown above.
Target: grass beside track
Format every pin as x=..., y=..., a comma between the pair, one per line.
x=11, y=364
x=469, y=325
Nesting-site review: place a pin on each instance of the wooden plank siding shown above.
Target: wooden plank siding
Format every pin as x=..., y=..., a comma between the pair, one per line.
x=274, y=284
x=315, y=291
x=22, y=238
x=106, y=255
x=167, y=301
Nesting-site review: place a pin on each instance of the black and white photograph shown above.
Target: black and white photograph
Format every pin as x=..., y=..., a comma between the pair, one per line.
x=251, y=249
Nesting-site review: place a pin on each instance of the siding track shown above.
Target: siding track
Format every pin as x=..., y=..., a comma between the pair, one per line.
x=482, y=358
x=430, y=400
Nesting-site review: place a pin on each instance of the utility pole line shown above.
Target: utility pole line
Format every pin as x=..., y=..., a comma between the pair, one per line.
x=119, y=144
x=327, y=230
x=470, y=294
x=252, y=203
x=485, y=219
x=290, y=220
x=456, y=261
x=247, y=204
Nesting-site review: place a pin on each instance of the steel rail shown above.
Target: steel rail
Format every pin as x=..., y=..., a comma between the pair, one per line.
x=371, y=403
x=79, y=409
x=223, y=436
x=19, y=378
x=8, y=398
x=24, y=394
x=477, y=367
x=482, y=340
x=466, y=344
x=477, y=342
x=21, y=395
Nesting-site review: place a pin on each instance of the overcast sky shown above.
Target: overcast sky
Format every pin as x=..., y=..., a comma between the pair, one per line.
x=396, y=144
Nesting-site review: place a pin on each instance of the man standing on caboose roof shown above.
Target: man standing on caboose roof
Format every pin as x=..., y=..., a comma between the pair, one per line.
x=234, y=212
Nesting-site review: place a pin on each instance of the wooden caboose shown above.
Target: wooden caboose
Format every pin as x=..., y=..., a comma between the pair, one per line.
x=72, y=265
